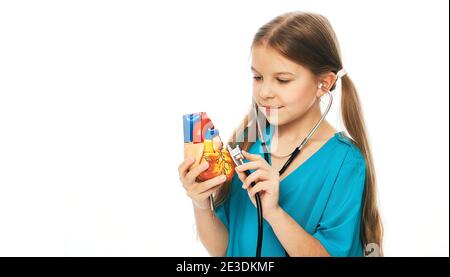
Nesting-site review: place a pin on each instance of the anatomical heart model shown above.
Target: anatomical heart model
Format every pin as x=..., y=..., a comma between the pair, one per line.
x=202, y=142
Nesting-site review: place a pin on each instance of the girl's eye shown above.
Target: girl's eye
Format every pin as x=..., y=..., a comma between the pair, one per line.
x=281, y=81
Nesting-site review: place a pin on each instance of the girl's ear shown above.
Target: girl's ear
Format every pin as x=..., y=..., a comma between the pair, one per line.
x=326, y=81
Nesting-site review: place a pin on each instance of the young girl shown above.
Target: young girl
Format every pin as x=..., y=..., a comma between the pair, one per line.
x=324, y=203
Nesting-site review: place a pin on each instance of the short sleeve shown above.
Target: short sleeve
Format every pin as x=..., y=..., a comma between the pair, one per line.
x=339, y=227
x=223, y=212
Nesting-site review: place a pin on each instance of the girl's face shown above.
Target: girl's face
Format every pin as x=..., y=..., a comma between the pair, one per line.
x=283, y=90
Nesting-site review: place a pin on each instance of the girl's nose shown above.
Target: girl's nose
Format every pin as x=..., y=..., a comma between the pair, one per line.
x=266, y=91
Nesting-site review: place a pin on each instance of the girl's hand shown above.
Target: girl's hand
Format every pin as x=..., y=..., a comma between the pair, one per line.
x=198, y=192
x=267, y=182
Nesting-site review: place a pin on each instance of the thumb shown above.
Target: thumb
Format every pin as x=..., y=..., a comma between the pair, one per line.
x=251, y=157
x=241, y=175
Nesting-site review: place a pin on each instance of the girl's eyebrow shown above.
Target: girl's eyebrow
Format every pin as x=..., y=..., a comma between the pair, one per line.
x=277, y=73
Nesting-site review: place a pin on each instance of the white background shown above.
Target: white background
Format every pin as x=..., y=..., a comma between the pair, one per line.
x=92, y=95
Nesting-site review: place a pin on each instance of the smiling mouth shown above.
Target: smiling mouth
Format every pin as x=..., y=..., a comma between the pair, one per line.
x=269, y=109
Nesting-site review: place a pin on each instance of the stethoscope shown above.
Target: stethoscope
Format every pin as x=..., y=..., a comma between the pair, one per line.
x=238, y=158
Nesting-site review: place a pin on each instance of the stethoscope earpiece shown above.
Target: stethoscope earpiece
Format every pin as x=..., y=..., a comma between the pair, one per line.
x=341, y=73
x=322, y=87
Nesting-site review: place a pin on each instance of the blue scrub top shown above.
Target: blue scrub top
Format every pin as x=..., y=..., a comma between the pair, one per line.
x=324, y=195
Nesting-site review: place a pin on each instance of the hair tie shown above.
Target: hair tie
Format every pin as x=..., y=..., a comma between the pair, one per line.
x=341, y=73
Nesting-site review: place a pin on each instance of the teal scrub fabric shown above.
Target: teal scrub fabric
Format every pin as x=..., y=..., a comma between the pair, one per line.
x=323, y=195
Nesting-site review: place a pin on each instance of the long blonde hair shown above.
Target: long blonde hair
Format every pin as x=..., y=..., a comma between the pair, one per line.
x=309, y=40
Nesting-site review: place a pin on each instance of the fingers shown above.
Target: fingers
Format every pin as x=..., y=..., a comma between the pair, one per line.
x=200, y=188
x=184, y=166
x=206, y=194
x=251, y=166
x=252, y=199
x=254, y=177
x=193, y=173
x=241, y=176
x=252, y=157
x=261, y=186
x=212, y=182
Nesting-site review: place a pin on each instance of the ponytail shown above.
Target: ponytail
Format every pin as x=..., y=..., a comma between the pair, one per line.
x=371, y=226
